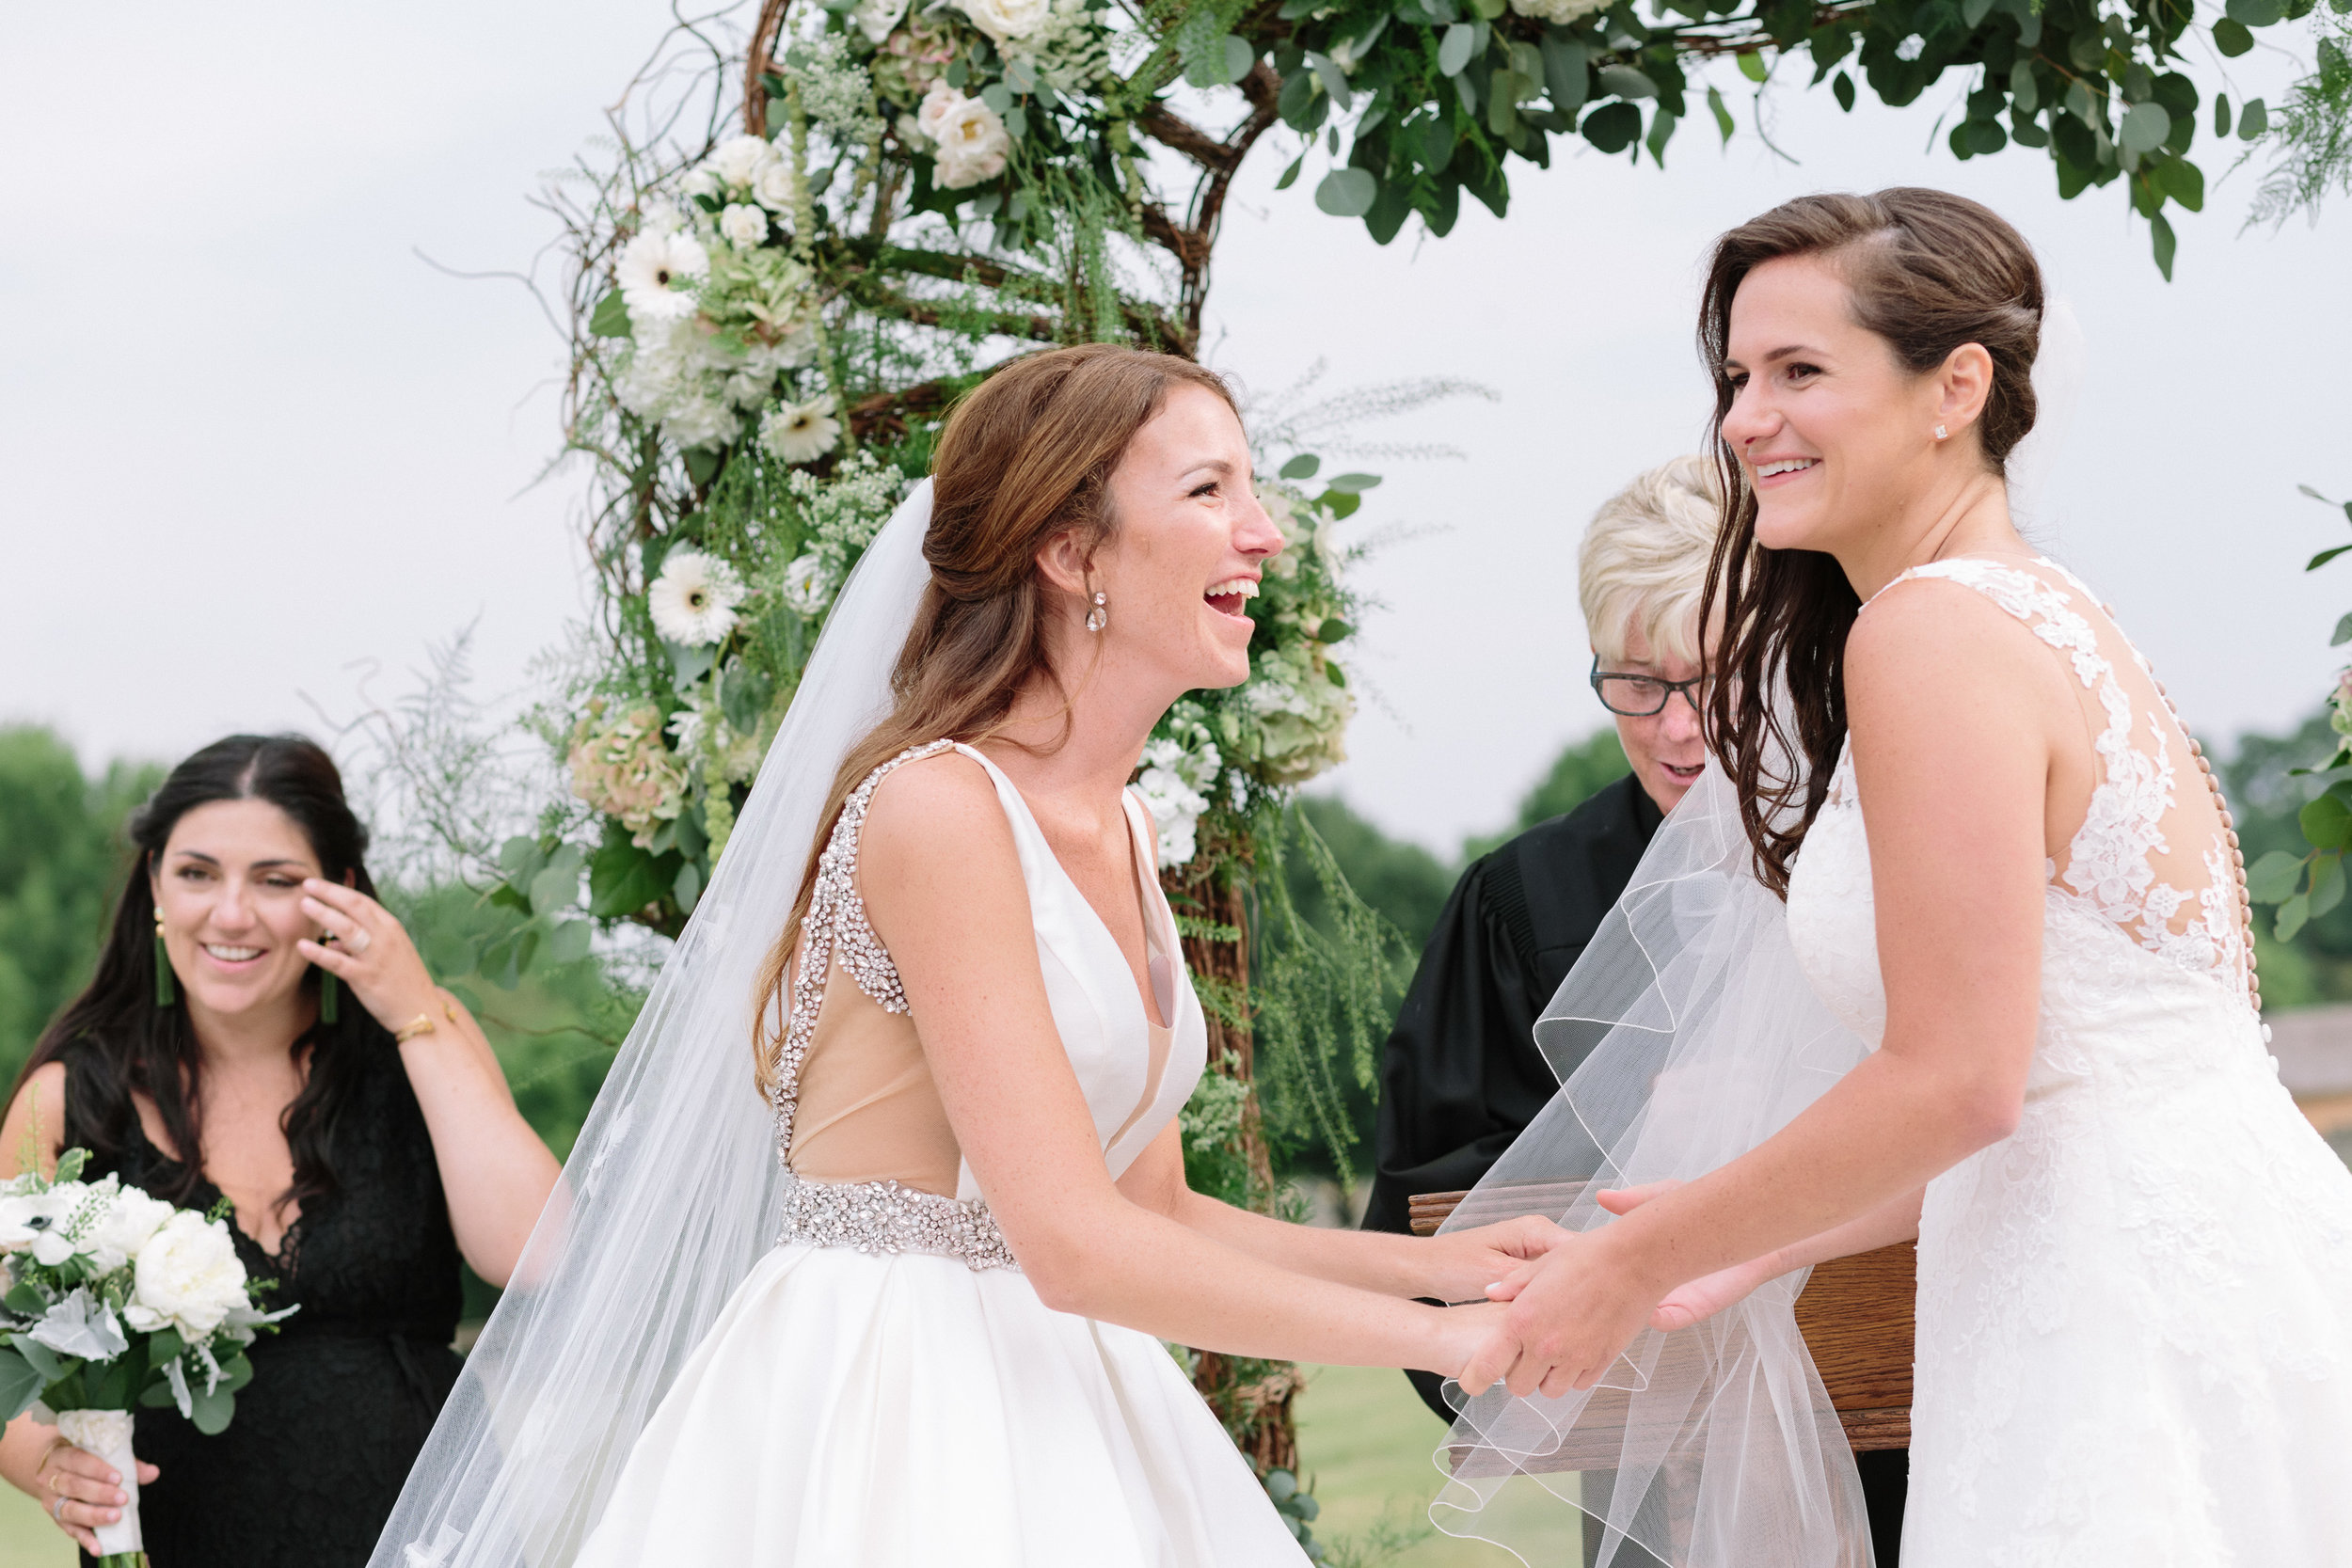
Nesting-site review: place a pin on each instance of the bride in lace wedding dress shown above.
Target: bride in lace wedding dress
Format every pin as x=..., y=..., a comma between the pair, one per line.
x=2033, y=1037
x=904, y=1301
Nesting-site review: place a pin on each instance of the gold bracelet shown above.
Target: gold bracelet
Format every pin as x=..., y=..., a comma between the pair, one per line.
x=422, y=1024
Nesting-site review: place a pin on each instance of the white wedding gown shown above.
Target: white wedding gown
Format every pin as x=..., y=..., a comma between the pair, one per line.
x=886, y=1388
x=2135, y=1313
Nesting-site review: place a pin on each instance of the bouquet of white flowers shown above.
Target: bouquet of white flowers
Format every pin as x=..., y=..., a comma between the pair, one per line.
x=116, y=1300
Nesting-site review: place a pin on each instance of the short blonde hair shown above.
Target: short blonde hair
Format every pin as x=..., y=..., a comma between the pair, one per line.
x=1644, y=560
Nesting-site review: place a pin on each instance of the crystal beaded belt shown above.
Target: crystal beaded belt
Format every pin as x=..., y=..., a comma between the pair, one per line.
x=882, y=1218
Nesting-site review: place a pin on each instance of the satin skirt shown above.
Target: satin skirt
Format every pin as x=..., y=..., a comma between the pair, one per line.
x=881, y=1411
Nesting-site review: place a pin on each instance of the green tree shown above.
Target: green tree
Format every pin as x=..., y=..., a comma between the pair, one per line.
x=1582, y=770
x=62, y=856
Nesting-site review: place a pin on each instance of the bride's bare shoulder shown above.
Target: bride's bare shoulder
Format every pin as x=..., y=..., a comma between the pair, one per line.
x=1933, y=656
x=940, y=814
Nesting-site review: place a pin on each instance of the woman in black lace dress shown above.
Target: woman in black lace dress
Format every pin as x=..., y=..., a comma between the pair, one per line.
x=359, y=1126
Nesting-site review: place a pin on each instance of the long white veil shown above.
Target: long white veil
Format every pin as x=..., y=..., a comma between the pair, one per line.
x=671, y=1194
x=1692, y=1036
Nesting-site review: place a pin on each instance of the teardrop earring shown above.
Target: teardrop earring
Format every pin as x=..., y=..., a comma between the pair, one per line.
x=1100, y=616
x=164, y=995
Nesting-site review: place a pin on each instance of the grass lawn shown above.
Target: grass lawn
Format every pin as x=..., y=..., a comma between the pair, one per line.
x=1365, y=1443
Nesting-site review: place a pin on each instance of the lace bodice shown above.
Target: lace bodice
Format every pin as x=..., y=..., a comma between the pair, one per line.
x=2162, y=869
x=2135, y=1313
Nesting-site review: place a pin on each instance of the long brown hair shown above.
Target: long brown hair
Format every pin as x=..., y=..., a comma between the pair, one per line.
x=1929, y=271
x=1027, y=454
x=116, y=1041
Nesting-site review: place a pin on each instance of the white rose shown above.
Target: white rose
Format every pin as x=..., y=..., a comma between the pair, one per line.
x=771, y=187
x=936, y=106
x=876, y=18
x=743, y=225
x=973, y=145
x=1558, y=11
x=698, y=182
x=1006, y=19
x=736, y=160
x=187, y=1278
x=129, y=1223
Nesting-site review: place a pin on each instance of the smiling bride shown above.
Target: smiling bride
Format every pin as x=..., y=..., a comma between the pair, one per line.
x=973, y=1028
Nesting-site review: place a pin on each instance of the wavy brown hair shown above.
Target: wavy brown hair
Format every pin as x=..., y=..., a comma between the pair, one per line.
x=1929, y=271
x=1027, y=455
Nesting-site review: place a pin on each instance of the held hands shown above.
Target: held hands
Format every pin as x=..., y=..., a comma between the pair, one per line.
x=1575, y=1307
x=371, y=953
x=1463, y=1265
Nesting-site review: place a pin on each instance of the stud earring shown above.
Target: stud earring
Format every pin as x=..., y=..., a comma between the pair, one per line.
x=1942, y=434
x=1100, y=616
x=164, y=995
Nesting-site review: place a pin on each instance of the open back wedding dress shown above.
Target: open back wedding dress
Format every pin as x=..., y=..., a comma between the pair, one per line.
x=2135, y=1313
x=886, y=1388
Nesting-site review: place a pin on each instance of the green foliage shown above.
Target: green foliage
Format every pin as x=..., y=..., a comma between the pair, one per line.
x=62, y=859
x=2312, y=131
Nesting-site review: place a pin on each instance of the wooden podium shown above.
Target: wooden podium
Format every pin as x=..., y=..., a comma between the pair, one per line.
x=1855, y=1314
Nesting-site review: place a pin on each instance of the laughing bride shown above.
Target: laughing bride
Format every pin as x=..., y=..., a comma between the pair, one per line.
x=973, y=1035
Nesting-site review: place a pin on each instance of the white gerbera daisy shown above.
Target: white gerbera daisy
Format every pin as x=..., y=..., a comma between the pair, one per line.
x=654, y=271
x=693, y=599
x=800, y=432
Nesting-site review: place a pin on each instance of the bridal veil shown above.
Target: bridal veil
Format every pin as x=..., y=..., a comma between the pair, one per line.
x=670, y=1195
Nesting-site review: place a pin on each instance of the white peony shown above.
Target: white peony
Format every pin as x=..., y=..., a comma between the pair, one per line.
x=808, y=585
x=743, y=225
x=187, y=1278
x=800, y=432
x=1003, y=19
x=1559, y=12
x=129, y=1223
x=654, y=272
x=973, y=145
x=771, y=187
x=693, y=599
x=876, y=19
x=737, y=161
x=937, y=104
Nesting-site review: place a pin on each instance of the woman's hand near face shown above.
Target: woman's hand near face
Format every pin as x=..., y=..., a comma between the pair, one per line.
x=371, y=953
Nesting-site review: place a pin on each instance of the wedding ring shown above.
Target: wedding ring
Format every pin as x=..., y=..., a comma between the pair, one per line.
x=359, y=942
x=56, y=1512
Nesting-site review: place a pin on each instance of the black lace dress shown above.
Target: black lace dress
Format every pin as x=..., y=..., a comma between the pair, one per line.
x=343, y=1396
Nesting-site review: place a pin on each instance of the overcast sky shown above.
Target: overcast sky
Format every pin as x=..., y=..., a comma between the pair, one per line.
x=254, y=446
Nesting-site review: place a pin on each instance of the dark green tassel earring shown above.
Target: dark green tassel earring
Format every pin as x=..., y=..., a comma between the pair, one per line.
x=164, y=995
x=327, y=997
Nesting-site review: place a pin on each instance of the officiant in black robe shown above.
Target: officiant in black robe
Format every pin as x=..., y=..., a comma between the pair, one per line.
x=1460, y=1076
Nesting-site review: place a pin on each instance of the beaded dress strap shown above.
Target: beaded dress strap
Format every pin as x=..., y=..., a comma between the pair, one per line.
x=836, y=915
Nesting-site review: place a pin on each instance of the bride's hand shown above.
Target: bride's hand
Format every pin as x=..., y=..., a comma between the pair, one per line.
x=1462, y=1265
x=1705, y=1296
x=1571, y=1313
x=1460, y=1330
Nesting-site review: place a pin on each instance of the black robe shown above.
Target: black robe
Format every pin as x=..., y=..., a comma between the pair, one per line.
x=1460, y=1077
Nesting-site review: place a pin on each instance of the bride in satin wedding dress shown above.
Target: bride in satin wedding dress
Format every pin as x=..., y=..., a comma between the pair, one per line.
x=910, y=1309
x=2010, y=1008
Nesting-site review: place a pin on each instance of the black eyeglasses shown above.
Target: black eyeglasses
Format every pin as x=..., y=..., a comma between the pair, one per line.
x=1645, y=696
